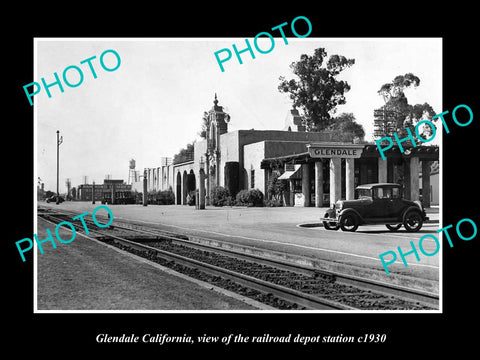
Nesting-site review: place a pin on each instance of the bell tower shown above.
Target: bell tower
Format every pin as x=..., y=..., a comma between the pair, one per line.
x=217, y=120
x=217, y=125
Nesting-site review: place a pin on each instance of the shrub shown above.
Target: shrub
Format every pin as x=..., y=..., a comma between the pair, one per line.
x=242, y=198
x=256, y=197
x=138, y=197
x=165, y=197
x=253, y=197
x=276, y=187
x=221, y=196
x=229, y=201
x=274, y=202
x=191, y=198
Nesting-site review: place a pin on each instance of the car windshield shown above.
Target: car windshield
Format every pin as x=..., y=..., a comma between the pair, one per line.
x=363, y=194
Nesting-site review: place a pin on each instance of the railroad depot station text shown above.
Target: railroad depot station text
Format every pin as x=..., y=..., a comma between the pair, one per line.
x=338, y=152
x=163, y=339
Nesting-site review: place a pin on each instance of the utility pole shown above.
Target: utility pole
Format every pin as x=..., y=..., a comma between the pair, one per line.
x=145, y=198
x=59, y=141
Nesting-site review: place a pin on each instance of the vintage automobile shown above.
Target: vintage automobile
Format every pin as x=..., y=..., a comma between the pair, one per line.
x=53, y=198
x=380, y=203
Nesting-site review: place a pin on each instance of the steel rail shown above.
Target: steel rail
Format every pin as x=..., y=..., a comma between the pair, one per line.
x=423, y=297
x=284, y=293
x=302, y=299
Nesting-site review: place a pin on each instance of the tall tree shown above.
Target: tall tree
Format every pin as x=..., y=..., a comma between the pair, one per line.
x=185, y=154
x=317, y=92
x=345, y=123
x=203, y=131
x=397, y=114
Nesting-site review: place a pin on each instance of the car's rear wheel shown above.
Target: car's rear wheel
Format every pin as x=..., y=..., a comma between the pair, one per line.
x=413, y=221
x=349, y=222
x=330, y=226
x=393, y=227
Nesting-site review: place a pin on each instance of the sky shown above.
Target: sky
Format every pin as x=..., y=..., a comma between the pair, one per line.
x=152, y=105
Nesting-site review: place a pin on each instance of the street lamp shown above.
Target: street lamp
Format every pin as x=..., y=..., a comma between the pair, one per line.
x=145, y=199
x=59, y=141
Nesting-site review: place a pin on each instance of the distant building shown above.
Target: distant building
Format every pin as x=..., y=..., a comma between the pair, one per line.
x=84, y=192
x=104, y=191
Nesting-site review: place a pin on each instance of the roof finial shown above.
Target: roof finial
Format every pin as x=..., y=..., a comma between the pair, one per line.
x=215, y=101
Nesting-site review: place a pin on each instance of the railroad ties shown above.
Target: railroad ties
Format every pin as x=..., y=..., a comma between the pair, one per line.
x=279, y=284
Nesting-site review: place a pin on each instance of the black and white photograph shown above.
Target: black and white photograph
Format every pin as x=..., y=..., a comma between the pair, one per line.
x=243, y=182
x=303, y=192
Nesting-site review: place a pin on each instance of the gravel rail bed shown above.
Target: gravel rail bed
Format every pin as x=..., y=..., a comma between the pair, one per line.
x=227, y=284
x=319, y=285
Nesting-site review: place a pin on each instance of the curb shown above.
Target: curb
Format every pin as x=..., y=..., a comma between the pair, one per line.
x=311, y=225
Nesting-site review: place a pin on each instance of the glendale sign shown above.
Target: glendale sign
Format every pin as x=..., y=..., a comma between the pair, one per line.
x=335, y=150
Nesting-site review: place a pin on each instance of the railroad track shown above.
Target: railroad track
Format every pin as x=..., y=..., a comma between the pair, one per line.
x=278, y=283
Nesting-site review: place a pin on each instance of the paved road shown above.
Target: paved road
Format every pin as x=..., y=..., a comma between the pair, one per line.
x=277, y=229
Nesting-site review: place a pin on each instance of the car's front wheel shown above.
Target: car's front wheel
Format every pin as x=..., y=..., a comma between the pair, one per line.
x=393, y=227
x=349, y=222
x=413, y=221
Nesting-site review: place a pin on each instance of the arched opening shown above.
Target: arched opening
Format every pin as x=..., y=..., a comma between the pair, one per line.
x=231, y=175
x=178, y=195
x=201, y=190
x=191, y=186
x=184, y=187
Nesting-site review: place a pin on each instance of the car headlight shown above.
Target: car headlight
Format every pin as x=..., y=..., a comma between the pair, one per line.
x=339, y=206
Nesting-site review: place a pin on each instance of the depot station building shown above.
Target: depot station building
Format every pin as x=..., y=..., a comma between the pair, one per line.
x=320, y=167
